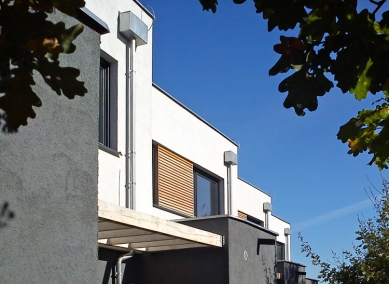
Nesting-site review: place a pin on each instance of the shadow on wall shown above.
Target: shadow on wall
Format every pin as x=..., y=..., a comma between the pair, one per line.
x=269, y=272
x=5, y=214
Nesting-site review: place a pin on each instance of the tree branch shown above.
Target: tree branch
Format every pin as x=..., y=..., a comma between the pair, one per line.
x=379, y=5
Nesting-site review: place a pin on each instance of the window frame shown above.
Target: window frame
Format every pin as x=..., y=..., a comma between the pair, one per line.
x=215, y=200
x=282, y=246
x=196, y=169
x=108, y=119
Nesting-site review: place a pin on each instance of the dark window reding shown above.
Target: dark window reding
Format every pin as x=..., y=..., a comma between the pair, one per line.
x=207, y=196
x=105, y=104
x=280, y=251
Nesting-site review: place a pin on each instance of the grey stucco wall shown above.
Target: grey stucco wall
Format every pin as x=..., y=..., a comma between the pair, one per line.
x=291, y=272
x=252, y=260
x=48, y=174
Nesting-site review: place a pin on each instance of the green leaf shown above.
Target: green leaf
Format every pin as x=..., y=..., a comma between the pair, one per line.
x=65, y=39
x=363, y=84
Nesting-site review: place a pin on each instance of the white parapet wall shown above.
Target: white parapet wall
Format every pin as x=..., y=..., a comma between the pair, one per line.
x=279, y=225
x=180, y=130
x=248, y=199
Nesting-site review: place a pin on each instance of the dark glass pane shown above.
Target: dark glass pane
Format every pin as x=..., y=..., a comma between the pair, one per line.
x=104, y=111
x=204, y=196
x=280, y=251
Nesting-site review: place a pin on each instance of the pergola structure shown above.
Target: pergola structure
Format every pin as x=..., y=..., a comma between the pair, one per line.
x=125, y=229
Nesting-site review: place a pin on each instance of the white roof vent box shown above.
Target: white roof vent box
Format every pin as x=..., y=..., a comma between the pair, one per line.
x=230, y=158
x=130, y=26
x=267, y=207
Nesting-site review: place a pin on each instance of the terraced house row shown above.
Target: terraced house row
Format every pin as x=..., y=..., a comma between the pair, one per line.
x=127, y=185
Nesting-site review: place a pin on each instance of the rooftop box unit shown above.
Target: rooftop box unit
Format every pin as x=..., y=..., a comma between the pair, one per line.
x=130, y=26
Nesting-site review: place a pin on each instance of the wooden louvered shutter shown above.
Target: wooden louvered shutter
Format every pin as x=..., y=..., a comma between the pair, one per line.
x=242, y=215
x=174, y=182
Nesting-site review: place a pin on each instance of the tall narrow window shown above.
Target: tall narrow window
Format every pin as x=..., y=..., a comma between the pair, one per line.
x=105, y=104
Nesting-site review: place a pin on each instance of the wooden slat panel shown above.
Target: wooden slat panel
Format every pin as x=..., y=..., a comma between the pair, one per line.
x=170, y=194
x=165, y=174
x=173, y=155
x=174, y=182
x=242, y=215
x=172, y=161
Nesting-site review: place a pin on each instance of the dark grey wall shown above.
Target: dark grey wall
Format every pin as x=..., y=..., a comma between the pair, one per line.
x=48, y=174
x=311, y=281
x=291, y=272
x=259, y=267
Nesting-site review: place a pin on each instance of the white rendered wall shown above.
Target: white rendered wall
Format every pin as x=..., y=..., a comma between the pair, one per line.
x=161, y=119
x=111, y=168
x=248, y=199
x=176, y=128
x=278, y=225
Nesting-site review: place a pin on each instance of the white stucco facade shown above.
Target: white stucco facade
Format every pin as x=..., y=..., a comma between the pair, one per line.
x=160, y=119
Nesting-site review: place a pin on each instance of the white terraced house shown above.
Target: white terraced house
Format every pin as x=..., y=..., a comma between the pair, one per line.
x=131, y=186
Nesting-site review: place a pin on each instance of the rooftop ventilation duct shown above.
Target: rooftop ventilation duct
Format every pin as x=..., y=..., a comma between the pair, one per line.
x=267, y=207
x=287, y=243
x=230, y=159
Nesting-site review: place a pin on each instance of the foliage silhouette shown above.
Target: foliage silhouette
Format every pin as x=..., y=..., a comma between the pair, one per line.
x=30, y=42
x=336, y=42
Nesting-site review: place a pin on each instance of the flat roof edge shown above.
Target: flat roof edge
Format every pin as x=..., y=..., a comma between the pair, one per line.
x=89, y=19
x=193, y=113
x=280, y=219
x=229, y=217
x=245, y=181
x=292, y=262
x=144, y=9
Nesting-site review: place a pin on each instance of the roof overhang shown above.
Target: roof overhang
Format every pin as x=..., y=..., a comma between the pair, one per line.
x=126, y=229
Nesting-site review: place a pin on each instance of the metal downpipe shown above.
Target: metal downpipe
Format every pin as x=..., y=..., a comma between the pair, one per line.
x=119, y=273
x=229, y=190
x=130, y=126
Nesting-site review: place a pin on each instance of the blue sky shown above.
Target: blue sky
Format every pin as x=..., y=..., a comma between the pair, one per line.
x=217, y=65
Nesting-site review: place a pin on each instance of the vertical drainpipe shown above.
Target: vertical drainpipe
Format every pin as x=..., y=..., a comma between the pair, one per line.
x=130, y=125
x=267, y=208
x=229, y=187
x=287, y=243
x=119, y=274
x=136, y=32
x=230, y=158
